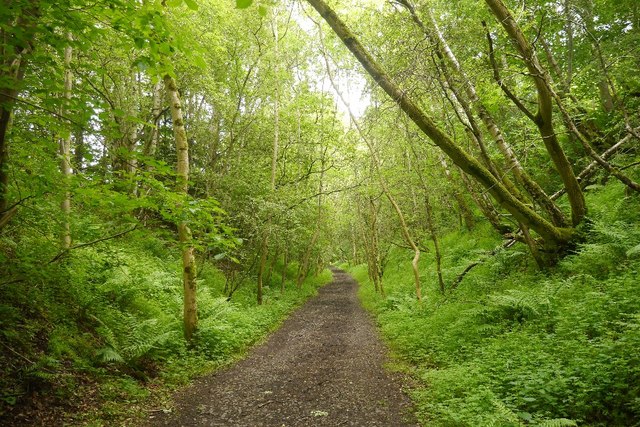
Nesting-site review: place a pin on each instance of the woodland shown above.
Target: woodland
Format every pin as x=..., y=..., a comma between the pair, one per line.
x=177, y=175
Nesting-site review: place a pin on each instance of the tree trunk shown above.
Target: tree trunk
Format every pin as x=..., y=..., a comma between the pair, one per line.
x=436, y=242
x=465, y=211
x=431, y=226
x=182, y=186
x=65, y=152
x=272, y=262
x=80, y=151
x=376, y=270
x=264, y=247
x=543, y=118
x=156, y=110
x=285, y=267
x=484, y=204
x=368, y=242
x=274, y=160
x=568, y=29
x=554, y=236
x=605, y=84
x=12, y=70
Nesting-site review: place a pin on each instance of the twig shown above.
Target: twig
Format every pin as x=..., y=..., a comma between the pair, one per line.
x=323, y=193
x=458, y=279
x=591, y=169
x=498, y=79
x=93, y=242
x=17, y=354
x=53, y=113
x=629, y=165
x=260, y=405
x=7, y=214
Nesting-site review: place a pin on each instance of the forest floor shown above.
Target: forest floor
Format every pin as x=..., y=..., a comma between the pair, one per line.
x=323, y=367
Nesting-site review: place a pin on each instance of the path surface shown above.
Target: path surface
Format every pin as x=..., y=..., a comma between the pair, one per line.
x=323, y=367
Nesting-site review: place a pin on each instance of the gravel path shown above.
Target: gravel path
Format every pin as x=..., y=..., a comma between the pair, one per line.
x=323, y=367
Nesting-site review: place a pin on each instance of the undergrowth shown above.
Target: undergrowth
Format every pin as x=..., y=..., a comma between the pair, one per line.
x=87, y=339
x=513, y=346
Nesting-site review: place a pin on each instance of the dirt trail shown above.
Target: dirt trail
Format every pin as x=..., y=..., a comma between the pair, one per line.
x=323, y=367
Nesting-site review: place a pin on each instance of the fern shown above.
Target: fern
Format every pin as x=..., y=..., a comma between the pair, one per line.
x=145, y=337
x=558, y=422
x=109, y=355
x=505, y=414
x=106, y=332
x=130, y=339
x=519, y=305
x=634, y=252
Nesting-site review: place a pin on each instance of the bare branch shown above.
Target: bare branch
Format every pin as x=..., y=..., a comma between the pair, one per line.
x=93, y=242
x=498, y=78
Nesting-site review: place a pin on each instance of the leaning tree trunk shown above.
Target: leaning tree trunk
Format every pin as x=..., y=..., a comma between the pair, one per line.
x=182, y=186
x=444, y=51
x=531, y=186
x=544, y=116
x=555, y=237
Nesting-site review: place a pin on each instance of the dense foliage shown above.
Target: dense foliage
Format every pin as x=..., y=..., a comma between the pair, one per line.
x=175, y=176
x=516, y=346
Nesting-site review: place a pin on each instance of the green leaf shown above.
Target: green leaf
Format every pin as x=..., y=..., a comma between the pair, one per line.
x=199, y=61
x=634, y=252
x=139, y=42
x=192, y=4
x=262, y=10
x=243, y=4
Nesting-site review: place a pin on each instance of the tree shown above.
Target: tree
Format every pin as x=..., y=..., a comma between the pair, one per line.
x=555, y=237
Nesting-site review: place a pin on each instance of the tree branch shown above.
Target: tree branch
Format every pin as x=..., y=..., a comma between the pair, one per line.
x=93, y=242
x=8, y=213
x=323, y=193
x=498, y=78
x=505, y=245
x=591, y=169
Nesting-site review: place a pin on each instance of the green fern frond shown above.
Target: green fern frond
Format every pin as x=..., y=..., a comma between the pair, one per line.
x=109, y=355
x=516, y=303
x=634, y=252
x=107, y=334
x=505, y=414
x=558, y=422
